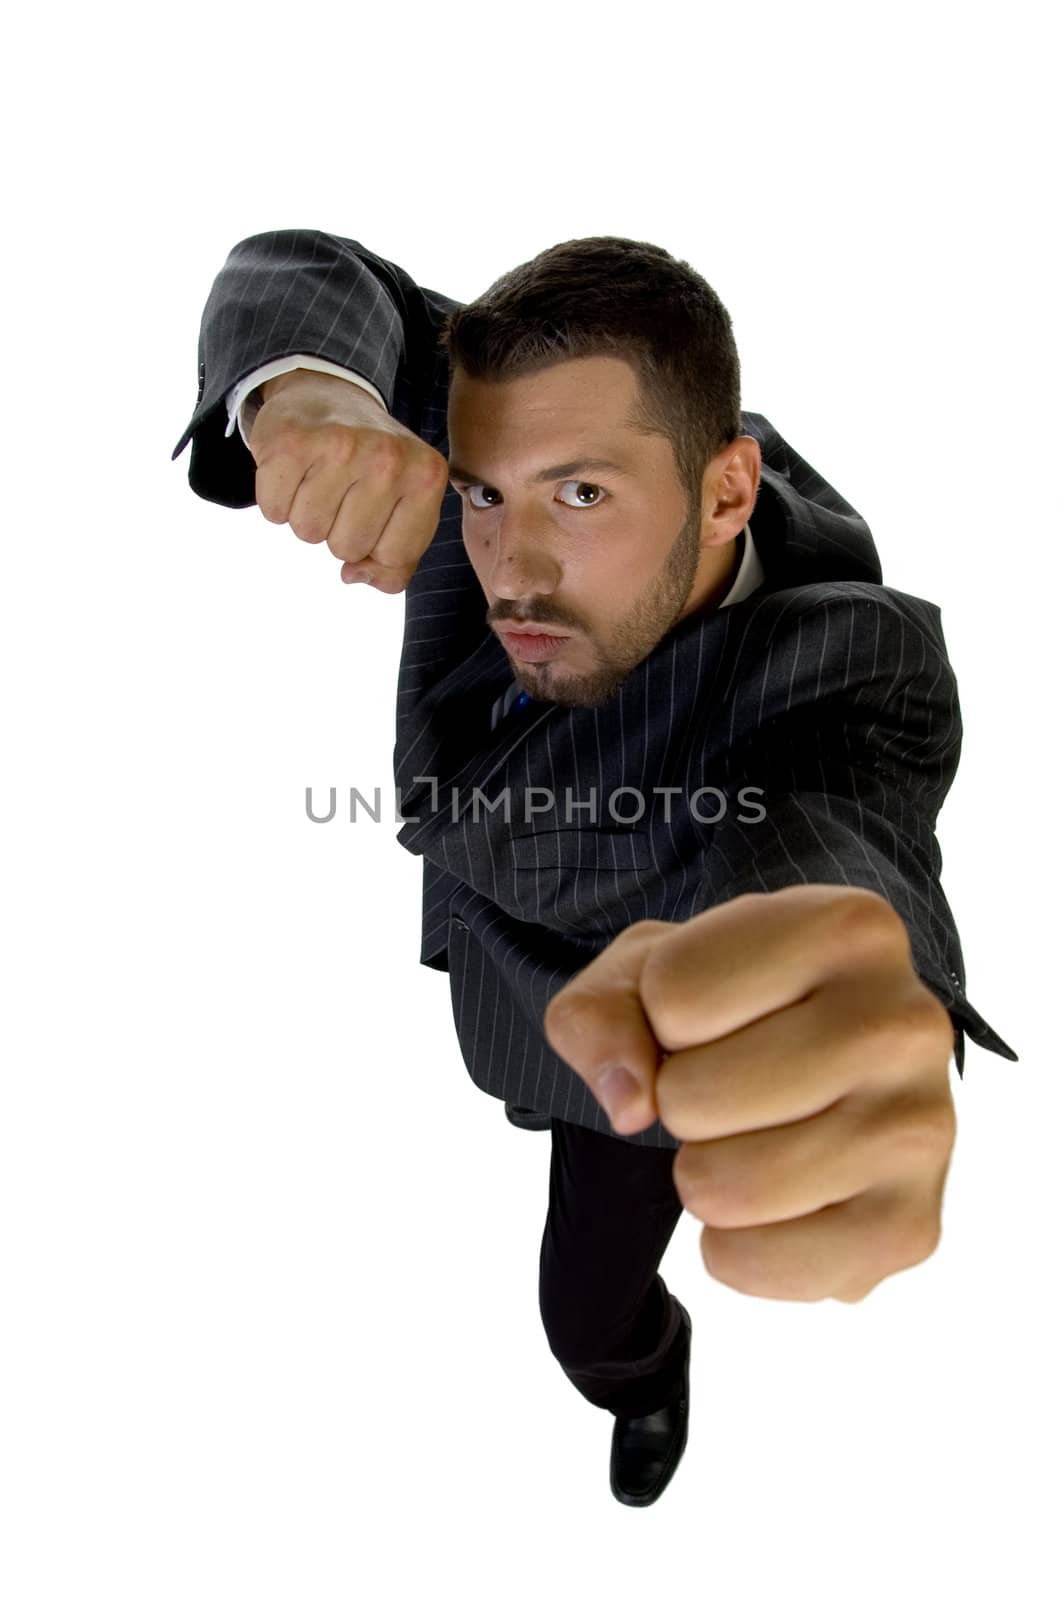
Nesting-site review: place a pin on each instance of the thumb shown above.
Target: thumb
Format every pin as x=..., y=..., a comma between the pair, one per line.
x=598, y=1025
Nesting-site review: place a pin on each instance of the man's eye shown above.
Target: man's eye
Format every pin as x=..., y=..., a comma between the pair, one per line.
x=595, y=489
x=581, y=485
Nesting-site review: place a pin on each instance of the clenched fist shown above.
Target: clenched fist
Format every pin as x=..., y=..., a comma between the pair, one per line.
x=337, y=468
x=787, y=1041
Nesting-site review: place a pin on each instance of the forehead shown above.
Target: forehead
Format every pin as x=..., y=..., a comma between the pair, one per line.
x=574, y=409
x=602, y=385
x=570, y=419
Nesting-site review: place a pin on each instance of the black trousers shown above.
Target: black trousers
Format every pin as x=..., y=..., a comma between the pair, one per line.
x=609, y=1319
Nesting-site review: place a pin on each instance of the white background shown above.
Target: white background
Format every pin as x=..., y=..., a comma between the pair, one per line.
x=268, y=1259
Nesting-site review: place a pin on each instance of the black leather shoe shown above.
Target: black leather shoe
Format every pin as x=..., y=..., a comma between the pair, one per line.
x=646, y=1450
x=526, y=1117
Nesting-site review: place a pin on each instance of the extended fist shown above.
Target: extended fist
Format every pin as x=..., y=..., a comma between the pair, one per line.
x=337, y=468
x=806, y=1069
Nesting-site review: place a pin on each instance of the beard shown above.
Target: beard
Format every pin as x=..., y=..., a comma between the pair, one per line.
x=644, y=625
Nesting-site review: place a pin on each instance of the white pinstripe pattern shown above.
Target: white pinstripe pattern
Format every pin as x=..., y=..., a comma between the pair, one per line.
x=819, y=685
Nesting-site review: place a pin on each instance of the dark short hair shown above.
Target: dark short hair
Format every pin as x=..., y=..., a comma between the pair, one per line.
x=622, y=297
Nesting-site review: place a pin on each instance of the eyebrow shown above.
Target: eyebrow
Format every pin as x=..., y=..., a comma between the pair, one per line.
x=564, y=469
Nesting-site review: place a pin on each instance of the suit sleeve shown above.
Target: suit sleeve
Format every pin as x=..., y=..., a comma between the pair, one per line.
x=301, y=291
x=855, y=742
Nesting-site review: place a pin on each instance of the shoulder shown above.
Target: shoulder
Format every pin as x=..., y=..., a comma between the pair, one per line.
x=816, y=649
x=845, y=614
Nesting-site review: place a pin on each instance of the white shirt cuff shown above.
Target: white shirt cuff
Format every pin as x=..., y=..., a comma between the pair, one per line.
x=273, y=369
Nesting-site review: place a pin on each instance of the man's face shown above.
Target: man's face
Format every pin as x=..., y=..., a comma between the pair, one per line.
x=609, y=556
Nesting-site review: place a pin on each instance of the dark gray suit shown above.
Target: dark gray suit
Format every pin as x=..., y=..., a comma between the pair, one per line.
x=825, y=696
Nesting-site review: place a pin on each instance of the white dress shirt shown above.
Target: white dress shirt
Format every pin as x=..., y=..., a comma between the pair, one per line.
x=242, y=413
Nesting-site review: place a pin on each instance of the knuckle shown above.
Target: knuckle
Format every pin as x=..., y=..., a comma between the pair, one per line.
x=567, y=1010
x=932, y=1236
x=342, y=444
x=898, y=1028
x=921, y=1130
x=856, y=1287
x=936, y=1023
x=308, y=528
x=940, y=1119
x=290, y=436
x=383, y=454
x=724, y=1199
x=727, y=1257
x=586, y=1024
x=924, y=1026
x=434, y=471
x=346, y=545
x=919, y=1239
x=865, y=922
x=644, y=928
x=905, y=1236
x=720, y=1259
x=880, y=1034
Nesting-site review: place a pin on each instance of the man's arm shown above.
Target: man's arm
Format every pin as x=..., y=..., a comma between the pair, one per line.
x=855, y=743
x=298, y=293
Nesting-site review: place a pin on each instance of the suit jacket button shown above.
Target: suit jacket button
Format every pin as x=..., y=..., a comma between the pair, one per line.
x=460, y=924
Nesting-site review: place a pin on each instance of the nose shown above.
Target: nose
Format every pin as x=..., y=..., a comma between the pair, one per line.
x=522, y=564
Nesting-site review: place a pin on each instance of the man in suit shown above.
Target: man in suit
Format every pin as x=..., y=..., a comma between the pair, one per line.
x=677, y=607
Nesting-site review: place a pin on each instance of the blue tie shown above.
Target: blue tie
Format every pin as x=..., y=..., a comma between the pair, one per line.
x=518, y=703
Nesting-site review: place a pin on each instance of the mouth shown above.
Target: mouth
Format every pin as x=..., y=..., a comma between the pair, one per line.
x=531, y=644
x=528, y=630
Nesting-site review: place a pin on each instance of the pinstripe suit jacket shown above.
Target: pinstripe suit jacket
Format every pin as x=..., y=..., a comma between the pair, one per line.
x=809, y=733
